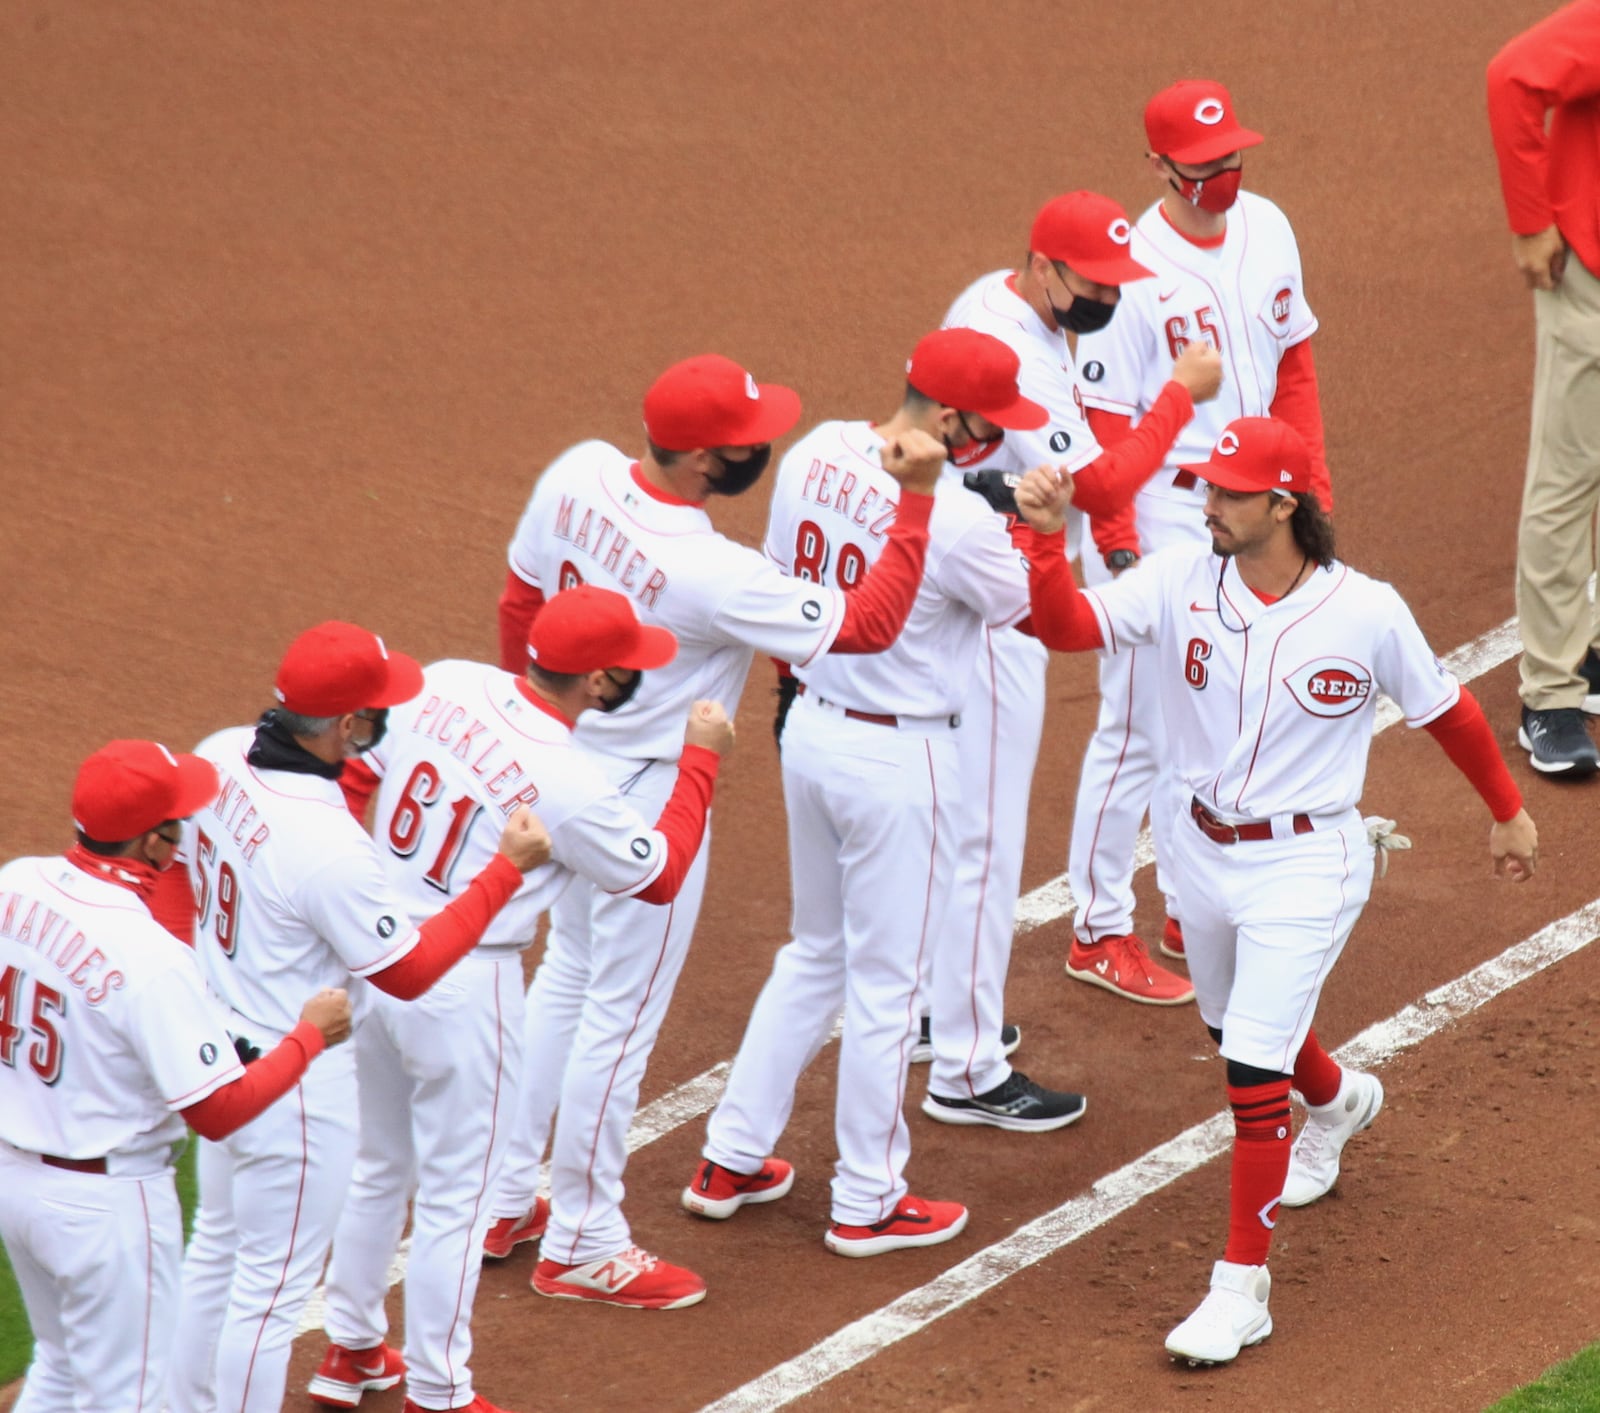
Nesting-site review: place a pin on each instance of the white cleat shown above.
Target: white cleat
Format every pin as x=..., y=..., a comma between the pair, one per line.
x=1233, y=1315
x=1314, y=1159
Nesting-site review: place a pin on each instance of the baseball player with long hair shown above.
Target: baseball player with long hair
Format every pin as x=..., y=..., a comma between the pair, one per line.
x=291, y=895
x=438, y=1076
x=108, y=1047
x=872, y=782
x=1227, y=272
x=1079, y=263
x=611, y=962
x=1269, y=655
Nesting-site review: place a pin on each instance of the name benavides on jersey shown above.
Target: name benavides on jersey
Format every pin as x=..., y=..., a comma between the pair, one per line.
x=1330, y=686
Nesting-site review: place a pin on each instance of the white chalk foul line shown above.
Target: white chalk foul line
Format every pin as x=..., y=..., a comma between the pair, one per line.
x=1116, y=1193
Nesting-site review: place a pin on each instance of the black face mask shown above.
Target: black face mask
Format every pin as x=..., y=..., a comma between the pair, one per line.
x=738, y=476
x=1083, y=316
x=625, y=692
x=379, y=721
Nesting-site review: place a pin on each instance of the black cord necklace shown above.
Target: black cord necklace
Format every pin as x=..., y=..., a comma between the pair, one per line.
x=1243, y=626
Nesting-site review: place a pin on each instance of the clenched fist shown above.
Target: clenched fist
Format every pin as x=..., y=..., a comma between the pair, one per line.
x=329, y=1011
x=709, y=727
x=525, y=840
x=1043, y=498
x=915, y=460
x=1199, y=369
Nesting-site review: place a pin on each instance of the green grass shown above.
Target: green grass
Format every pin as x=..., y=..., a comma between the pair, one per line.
x=1572, y=1387
x=16, y=1342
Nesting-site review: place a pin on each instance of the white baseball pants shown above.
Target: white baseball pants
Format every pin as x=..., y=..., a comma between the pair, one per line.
x=873, y=811
x=96, y=1259
x=438, y=1077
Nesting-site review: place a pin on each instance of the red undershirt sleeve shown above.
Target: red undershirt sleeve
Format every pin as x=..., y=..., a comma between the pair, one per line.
x=683, y=821
x=520, y=603
x=1299, y=403
x=358, y=782
x=172, y=903
x=264, y=1081
x=1466, y=737
x=877, y=608
x=1120, y=529
x=1109, y=483
x=446, y=937
x=1061, y=618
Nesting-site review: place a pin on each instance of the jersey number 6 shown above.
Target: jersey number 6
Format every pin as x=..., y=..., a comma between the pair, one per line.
x=422, y=790
x=1194, y=664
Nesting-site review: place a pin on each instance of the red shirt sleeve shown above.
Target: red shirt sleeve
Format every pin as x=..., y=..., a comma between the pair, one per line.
x=358, y=782
x=447, y=936
x=877, y=608
x=264, y=1081
x=1109, y=483
x=1120, y=529
x=520, y=603
x=1466, y=737
x=683, y=821
x=172, y=903
x=1299, y=403
x=1061, y=618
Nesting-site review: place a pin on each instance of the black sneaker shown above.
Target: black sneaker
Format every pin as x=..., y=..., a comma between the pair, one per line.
x=1557, y=742
x=922, y=1051
x=1018, y=1104
x=1589, y=670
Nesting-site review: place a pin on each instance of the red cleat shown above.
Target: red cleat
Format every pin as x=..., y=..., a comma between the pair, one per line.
x=508, y=1233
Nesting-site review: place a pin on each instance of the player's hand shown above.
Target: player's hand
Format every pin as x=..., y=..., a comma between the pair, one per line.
x=1542, y=258
x=329, y=1011
x=1199, y=369
x=525, y=840
x=1043, y=498
x=915, y=460
x=709, y=727
x=1514, y=847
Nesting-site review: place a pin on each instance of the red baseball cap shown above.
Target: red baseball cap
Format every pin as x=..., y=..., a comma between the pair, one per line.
x=711, y=401
x=337, y=668
x=128, y=788
x=586, y=628
x=973, y=372
x=1257, y=454
x=1089, y=233
x=1192, y=122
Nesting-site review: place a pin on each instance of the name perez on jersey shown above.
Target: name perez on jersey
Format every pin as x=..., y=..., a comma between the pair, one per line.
x=819, y=488
x=592, y=538
x=466, y=738
x=34, y=931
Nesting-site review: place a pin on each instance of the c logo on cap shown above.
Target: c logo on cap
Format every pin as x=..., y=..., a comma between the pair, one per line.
x=750, y=389
x=1208, y=111
x=1120, y=231
x=1228, y=444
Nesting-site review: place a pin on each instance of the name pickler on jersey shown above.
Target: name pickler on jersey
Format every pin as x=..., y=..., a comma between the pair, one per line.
x=470, y=741
x=819, y=488
x=45, y=931
x=599, y=537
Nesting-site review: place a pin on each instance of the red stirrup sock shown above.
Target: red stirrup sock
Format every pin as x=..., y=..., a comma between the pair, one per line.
x=1316, y=1073
x=1260, y=1165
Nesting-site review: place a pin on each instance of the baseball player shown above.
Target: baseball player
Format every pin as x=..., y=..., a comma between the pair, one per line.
x=1227, y=271
x=108, y=1047
x=598, y=998
x=1078, y=264
x=1269, y=655
x=291, y=895
x=438, y=1076
x=872, y=781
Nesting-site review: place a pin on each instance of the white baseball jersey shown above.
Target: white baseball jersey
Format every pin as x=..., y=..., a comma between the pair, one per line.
x=1245, y=297
x=1268, y=707
x=105, y=1027
x=831, y=510
x=292, y=895
x=992, y=306
x=593, y=519
x=458, y=760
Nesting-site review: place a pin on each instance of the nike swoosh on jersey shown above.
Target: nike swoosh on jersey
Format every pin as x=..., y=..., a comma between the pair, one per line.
x=1202, y=608
x=1168, y=295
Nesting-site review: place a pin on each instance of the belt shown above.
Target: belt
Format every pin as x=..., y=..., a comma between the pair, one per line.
x=1223, y=833
x=75, y=1165
x=872, y=718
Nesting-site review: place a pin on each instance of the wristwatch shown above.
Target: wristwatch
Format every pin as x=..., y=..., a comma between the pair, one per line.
x=1119, y=560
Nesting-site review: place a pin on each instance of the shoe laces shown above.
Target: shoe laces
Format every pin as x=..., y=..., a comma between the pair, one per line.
x=1130, y=954
x=638, y=1256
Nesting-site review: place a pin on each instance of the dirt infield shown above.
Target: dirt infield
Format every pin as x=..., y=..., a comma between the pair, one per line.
x=301, y=298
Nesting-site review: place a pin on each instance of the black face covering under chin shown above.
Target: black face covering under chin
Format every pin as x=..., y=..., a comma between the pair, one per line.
x=625, y=692
x=380, y=728
x=1083, y=316
x=738, y=476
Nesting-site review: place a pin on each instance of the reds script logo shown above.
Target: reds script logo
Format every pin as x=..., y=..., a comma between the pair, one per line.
x=1280, y=304
x=1330, y=686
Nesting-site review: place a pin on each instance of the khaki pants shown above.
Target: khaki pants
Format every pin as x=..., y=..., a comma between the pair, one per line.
x=1555, y=546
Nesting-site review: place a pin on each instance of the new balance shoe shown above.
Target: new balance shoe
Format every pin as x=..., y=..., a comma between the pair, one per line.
x=1557, y=742
x=718, y=1192
x=1017, y=1103
x=914, y=1222
x=1172, y=940
x=508, y=1233
x=479, y=1404
x=1314, y=1159
x=345, y=1374
x=632, y=1278
x=1123, y=967
x=1233, y=1315
x=1589, y=670
x=922, y=1051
